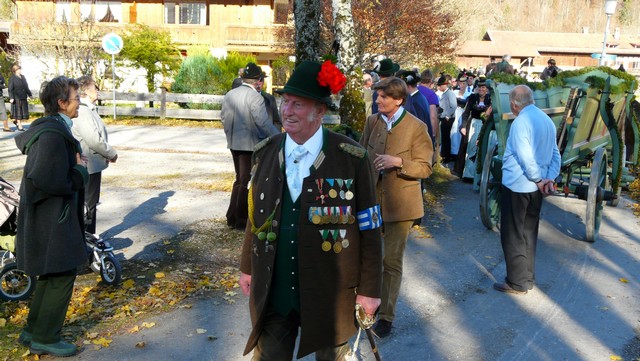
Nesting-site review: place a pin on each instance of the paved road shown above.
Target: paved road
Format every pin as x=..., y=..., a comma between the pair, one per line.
x=581, y=308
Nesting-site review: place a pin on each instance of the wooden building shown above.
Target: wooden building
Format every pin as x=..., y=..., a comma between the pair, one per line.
x=530, y=50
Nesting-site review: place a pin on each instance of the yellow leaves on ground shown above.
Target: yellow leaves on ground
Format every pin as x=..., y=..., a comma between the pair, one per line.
x=623, y=280
x=615, y=358
x=99, y=304
x=102, y=342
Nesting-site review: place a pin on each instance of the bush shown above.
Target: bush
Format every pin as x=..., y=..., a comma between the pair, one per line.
x=203, y=74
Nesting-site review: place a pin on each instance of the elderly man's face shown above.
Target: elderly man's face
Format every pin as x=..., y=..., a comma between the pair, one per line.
x=301, y=117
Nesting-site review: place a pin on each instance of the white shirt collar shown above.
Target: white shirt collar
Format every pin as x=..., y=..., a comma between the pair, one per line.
x=394, y=118
x=313, y=145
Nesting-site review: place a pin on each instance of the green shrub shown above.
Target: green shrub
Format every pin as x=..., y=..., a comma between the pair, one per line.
x=201, y=73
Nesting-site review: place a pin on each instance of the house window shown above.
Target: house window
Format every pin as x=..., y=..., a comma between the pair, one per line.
x=108, y=11
x=185, y=13
x=63, y=11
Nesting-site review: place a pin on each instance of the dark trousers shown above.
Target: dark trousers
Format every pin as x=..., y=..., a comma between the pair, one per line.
x=277, y=340
x=445, y=138
x=519, y=219
x=238, y=206
x=92, y=197
x=49, y=306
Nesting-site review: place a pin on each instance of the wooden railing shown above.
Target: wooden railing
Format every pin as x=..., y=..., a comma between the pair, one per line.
x=164, y=105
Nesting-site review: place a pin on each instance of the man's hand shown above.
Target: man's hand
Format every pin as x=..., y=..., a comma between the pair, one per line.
x=245, y=283
x=545, y=186
x=369, y=304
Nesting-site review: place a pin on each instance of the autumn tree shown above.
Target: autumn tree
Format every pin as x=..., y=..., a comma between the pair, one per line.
x=67, y=46
x=151, y=50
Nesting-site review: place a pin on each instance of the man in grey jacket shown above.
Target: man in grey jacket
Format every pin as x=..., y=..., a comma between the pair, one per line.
x=89, y=129
x=246, y=123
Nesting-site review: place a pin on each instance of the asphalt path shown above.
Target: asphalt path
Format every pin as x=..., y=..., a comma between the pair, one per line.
x=585, y=305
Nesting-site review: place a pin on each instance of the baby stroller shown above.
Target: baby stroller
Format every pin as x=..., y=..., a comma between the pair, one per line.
x=15, y=285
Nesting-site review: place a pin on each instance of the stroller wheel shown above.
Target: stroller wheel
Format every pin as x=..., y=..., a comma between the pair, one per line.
x=15, y=285
x=111, y=273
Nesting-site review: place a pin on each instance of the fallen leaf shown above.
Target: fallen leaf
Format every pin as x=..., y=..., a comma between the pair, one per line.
x=615, y=358
x=624, y=280
x=170, y=251
x=134, y=329
x=102, y=342
x=201, y=330
x=148, y=324
x=92, y=335
x=159, y=274
x=166, y=242
x=141, y=344
x=212, y=338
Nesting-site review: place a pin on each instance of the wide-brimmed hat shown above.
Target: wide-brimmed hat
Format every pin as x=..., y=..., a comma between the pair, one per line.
x=252, y=71
x=388, y=67
x=442, y=80
x=306, y=79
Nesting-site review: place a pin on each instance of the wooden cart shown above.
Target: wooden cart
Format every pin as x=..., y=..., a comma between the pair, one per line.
x=597, y=136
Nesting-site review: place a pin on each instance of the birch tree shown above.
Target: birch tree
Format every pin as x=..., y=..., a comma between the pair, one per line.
x=352, y=112
x=307, y=15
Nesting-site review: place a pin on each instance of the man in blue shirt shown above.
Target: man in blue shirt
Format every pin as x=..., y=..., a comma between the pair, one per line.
x=531, y=162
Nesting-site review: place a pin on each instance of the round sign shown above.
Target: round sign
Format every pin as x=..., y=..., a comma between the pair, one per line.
x=112, y=43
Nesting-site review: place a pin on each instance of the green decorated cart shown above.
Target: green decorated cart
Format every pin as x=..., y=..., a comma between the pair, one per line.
x=597, y=134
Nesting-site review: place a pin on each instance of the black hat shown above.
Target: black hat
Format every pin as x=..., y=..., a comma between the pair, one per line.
x=306, y=78
x=410, y=77
x=470, y=74
x=388, y=67
x=442, y=80
x=252, y=71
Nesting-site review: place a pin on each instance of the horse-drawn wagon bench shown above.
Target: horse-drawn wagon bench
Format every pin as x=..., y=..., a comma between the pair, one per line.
x=597, y=136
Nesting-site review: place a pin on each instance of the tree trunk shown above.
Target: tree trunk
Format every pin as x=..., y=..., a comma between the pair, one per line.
x=307, y=21
x=352, y=112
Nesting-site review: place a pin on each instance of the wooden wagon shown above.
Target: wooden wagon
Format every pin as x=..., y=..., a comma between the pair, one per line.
x=597, y=135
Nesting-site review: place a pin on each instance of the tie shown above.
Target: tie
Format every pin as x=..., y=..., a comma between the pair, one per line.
x=469, y=89
x=293, y=172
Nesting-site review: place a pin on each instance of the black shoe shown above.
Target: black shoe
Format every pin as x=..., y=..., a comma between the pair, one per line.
x=382, y=328
x=7, y=130
x=506, y=288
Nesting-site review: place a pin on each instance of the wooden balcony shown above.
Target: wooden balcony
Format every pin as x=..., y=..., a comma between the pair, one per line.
x=243, y=38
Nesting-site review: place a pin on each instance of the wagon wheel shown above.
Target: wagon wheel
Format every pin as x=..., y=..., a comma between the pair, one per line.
x=597, y=184
x=490, y=190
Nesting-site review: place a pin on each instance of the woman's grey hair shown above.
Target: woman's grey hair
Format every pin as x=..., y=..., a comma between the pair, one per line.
x=84, y=82
x=58, y=88
x=521, y=95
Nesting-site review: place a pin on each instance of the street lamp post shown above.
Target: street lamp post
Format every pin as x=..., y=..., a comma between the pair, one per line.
x=609, y=9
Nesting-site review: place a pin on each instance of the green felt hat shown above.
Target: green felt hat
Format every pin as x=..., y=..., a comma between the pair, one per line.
x=304, y=82
x=388, y=67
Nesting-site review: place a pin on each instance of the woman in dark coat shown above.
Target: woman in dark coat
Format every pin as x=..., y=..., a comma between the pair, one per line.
x=19, y=94
x=50, y=238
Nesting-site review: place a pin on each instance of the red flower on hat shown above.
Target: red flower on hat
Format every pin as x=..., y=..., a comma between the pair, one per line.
x=332, y=77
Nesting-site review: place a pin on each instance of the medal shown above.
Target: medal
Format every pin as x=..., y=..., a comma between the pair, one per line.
x=332, y=192
x=334, y=215
x=326, y=245
x=316, y=219
x=340, y=182
x=348, y=194
x=337, y=247
x=319, y=183
x=343, y=235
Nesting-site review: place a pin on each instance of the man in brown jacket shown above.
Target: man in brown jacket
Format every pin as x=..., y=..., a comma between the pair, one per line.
x=401, y=152
x=312, y=247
